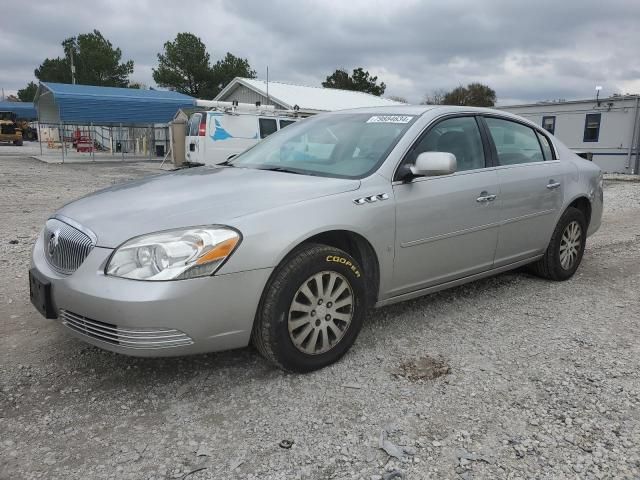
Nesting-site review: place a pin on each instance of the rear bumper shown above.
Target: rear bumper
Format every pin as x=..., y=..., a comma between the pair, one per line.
x=153, y=318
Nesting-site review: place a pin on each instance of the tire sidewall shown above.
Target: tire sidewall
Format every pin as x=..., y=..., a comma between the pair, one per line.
x=570, y=215
x=321, y=259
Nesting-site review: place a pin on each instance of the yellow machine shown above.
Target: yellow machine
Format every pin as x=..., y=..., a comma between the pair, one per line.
x=9, y=129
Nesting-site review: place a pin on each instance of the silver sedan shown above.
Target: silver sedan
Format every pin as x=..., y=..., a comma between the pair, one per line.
x=288, y=245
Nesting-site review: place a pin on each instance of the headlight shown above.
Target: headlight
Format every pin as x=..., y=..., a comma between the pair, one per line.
x=174, y=254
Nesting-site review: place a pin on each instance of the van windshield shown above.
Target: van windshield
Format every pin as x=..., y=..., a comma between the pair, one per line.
x=337, y=145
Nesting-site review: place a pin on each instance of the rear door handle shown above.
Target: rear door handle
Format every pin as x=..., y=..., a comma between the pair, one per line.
x=485, y=197
x=553, y=184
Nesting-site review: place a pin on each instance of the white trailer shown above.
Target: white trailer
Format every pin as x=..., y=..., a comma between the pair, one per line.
x=229, y=128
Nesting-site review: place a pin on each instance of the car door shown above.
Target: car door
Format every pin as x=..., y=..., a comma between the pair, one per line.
x=531, y=188
x=196, y=130
x=446, y=226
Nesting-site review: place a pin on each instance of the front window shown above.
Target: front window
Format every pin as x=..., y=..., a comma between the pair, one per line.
x=337, y=145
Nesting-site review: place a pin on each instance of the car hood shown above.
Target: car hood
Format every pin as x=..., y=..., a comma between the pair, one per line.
x=195, y=196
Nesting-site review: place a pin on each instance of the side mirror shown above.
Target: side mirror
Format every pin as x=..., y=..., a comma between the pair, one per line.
x=432, y=164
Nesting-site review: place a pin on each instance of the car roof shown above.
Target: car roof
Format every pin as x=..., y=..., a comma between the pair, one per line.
x=435, y=110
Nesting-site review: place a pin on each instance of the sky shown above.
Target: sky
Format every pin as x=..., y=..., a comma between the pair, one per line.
x=527, y=51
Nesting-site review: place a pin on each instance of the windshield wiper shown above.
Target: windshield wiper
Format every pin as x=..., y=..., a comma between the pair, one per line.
x=281, y=169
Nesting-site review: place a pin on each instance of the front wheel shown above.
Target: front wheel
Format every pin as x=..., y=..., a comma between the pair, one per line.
x=312, y=309
x=565, y=250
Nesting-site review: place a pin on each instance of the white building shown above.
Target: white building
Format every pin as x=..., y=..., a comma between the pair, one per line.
x=608, y=128
x=286, y=96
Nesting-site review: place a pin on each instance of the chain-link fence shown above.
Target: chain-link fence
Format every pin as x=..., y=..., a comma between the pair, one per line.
x=78, y=143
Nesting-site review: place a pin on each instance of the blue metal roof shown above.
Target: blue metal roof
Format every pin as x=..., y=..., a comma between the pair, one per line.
x=111, y=105
x=23, y=110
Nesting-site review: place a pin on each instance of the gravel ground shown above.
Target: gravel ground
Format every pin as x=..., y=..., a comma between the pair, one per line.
x=532, y=379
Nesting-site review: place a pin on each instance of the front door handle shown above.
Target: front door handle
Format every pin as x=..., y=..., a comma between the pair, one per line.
x=553, y=184
x=485, y=197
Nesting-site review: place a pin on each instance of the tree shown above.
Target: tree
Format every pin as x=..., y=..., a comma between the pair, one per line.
x=95, y=59
x=184, y=66
x=27, y=93
x=479, y=95
x=473, y=95
x=227, y=69
x=435, y=98
x=359, y=80
x=397, y=98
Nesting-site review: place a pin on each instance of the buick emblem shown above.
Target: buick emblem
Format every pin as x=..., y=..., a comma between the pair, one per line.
x=53, y=242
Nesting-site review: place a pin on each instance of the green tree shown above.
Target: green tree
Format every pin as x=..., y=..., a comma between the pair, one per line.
x=96, y=61
x=184, y=66
x=473, y=95
x=227, y=69
x=54, y=70
x=359, y=80
x=27, y=93
x=479, y=95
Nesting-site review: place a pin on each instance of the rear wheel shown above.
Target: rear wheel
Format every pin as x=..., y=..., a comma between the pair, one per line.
x=17, y=142
x=565, y=250
x=312, y=309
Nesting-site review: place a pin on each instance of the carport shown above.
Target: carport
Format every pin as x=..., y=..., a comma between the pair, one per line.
x=95, y=113
x=23, y=110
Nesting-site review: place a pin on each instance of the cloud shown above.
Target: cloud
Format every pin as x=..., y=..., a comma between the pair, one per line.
x=525, y=51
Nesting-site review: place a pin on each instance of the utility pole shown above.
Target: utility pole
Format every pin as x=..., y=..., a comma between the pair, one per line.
x=73, y=68
x=268, y=102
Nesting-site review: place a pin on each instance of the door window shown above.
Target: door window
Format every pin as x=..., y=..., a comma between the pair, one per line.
x=546, y=146
x=515, y=143
x=284, y=123
x=459, y=136
x=267, y=126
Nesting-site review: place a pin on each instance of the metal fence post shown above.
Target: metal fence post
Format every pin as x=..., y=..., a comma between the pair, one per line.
x=93, y=157
x=61, y=135
x=121, y=145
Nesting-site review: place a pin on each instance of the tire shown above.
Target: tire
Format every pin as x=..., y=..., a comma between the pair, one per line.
x=17, y=143
x=282, y=323
x=552, y=265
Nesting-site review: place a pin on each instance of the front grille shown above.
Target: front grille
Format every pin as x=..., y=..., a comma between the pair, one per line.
x=125, y=337
x=65, y=247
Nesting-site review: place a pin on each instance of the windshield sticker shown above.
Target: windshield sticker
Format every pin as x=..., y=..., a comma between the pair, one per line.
x=390, y=119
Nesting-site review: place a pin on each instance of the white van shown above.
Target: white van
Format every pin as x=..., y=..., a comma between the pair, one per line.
x=215, y=135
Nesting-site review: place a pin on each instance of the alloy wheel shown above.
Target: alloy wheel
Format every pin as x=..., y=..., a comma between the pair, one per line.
x=570, y=245
x=320, y=312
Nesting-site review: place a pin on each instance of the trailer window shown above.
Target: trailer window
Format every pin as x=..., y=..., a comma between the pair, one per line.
x=549, y=124
x=267, y=126
x=591, y=127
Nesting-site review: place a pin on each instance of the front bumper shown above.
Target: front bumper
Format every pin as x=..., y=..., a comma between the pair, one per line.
x=153, y=319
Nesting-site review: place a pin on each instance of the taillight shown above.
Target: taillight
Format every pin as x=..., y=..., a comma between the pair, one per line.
x=203, y=127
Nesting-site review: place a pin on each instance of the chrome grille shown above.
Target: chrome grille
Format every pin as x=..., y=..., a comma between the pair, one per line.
x=65, y=246
x=125, y=337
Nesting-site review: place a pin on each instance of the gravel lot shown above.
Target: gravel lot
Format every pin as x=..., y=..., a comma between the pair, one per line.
x=543, y=378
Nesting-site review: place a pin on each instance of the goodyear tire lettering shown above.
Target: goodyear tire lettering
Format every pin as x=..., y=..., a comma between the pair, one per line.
x=345, y=262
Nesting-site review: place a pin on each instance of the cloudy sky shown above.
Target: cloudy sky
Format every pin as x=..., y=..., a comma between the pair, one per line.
x=525, y=50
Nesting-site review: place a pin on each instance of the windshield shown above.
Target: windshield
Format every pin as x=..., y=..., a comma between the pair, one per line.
x=341, y=145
